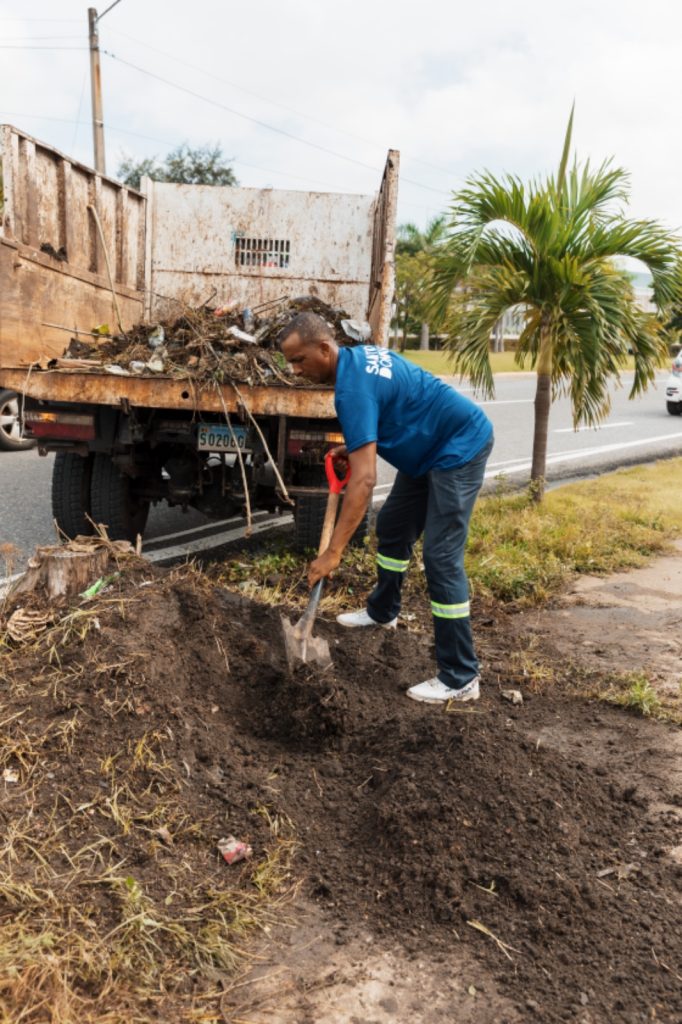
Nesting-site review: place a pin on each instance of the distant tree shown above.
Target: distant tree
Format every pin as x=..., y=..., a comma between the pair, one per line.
x=411, y=240
x=414, y=249
x=550, y=249
x=185, y=165
x=412, y=274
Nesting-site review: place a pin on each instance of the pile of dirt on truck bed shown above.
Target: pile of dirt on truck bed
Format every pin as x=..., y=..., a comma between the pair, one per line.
x=159, y=717
x=225, y=345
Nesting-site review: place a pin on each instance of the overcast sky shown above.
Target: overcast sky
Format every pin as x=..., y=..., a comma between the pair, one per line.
x=455, y=87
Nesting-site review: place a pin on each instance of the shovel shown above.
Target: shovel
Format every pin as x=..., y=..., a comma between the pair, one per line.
x=301, y=648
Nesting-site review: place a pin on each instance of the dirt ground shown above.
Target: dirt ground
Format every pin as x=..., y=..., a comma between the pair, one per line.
x=497, y=863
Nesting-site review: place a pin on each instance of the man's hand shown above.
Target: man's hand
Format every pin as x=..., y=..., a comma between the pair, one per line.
x=323, y=565
x=358, y=493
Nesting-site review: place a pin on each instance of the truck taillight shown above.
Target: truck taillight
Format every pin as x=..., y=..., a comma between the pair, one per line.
x=68, y=426
x=300, y=441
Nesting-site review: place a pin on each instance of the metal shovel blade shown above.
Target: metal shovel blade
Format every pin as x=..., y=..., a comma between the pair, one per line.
x=301, y=647
x=304, y=650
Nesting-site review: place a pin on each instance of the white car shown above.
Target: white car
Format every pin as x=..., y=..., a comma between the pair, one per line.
x=11, y=435
x=673, y=387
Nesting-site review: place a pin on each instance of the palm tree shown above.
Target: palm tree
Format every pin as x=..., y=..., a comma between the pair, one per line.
x=413, y=250
x=548, y=248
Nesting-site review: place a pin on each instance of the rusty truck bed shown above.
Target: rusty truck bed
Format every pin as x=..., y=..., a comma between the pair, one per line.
x=169, y=393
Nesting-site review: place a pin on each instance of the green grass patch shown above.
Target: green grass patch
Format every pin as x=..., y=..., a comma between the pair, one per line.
x=441, y=363
x=520, y=551
x=634, y=692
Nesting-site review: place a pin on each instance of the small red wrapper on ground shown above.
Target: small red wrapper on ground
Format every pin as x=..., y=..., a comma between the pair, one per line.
x=233, y=850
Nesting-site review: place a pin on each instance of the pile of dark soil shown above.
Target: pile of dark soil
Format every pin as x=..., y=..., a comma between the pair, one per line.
x=208, y=344
x=437, y=829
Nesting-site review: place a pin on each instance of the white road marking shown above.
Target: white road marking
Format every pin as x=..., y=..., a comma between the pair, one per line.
x=204, y=527
x=578, y=453
x=217, y=540
x=602, y=426
x=507, y=401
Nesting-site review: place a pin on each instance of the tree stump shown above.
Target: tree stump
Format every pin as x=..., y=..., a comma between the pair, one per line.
x=62, y=571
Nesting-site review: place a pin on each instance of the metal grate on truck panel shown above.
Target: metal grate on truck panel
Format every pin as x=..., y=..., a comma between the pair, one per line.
x=262, y=252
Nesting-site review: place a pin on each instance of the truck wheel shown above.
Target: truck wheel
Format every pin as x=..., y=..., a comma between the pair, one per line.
x=674, y=408
x=114, y=502
x=71, y=477
x=308, y=520
x=11, y=439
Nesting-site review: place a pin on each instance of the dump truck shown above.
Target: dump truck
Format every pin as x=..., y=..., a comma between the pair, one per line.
x=79, y=250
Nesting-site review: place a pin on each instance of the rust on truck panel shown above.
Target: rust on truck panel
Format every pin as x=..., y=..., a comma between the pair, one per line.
x=52, y=265
x=46, y=204
x=382, y=283
x=38, y=290
x=168, y=393
x=253, y=245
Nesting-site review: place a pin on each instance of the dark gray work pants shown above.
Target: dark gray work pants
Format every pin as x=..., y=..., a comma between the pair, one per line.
x=439, y=505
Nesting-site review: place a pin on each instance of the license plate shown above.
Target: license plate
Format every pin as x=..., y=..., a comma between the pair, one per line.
x=217, y=437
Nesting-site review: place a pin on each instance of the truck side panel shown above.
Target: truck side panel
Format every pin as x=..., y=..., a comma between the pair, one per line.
x=53, y=270
x=168, y=393
x=257, y=245
x=382, y=277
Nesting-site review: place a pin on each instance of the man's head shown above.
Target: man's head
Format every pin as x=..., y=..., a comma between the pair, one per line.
x=308, y=345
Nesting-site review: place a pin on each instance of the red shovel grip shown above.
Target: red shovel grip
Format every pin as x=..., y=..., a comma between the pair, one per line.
x=336, y=484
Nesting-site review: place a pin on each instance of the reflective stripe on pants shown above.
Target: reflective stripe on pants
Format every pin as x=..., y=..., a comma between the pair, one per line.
x=439, y=505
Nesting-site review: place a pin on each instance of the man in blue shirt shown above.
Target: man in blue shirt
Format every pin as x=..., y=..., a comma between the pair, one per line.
x=439, y=442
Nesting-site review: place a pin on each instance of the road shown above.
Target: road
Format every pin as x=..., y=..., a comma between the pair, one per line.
x=635, y=431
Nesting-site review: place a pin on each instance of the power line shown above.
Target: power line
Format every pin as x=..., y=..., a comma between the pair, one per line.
x=234, y=160
x=3, y=47
x=264, y=124
x=78, y=115
x=33, y=39
x=166, y=142
x=274, y=103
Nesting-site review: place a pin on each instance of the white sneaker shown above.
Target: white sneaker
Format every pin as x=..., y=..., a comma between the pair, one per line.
x=435, y=692
x=362, y=618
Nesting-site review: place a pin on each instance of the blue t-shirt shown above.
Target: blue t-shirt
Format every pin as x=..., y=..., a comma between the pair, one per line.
x=419, y=423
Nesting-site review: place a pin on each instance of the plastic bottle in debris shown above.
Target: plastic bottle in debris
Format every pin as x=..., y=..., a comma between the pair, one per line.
x=228, y=307
x=249, y=323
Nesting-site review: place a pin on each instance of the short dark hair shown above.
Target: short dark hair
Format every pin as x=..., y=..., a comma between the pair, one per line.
x=309, y=326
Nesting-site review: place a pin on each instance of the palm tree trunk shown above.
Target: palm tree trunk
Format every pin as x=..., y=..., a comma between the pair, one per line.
x=403, y=340
x=543, y=401
x=424, y=338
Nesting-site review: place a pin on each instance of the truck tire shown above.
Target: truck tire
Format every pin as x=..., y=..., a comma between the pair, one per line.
x=308, y=520
x=674, y=408
x=114, y=502
x=71, y=476
x=11, y=439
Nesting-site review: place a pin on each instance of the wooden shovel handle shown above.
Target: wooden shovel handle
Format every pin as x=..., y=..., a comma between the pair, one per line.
x=304, y=626
x=329, y=521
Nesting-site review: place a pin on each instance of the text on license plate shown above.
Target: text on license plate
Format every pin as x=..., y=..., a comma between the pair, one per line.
x=218, y=437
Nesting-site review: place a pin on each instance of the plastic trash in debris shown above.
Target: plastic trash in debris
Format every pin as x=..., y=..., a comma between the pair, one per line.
x=136, y=366
x=157, y=337
x=233, y=850
x=229, y=307
x=356, y=330
x=98, y=585
x=514, y=696
x=118, y=371
x=157, y=363
x=10, y=775
x=247, y=317
x=235, y=332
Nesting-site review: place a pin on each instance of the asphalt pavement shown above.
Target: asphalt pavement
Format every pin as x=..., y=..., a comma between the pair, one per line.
x=636, y=431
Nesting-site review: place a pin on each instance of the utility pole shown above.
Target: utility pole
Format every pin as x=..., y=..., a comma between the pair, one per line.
x=96, y=90
x=96, y=86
